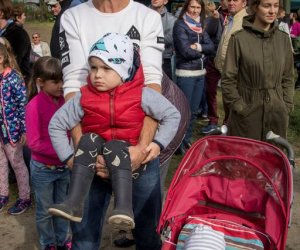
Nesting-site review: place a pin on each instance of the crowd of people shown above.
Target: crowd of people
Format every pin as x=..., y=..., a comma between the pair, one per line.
x=103, y=109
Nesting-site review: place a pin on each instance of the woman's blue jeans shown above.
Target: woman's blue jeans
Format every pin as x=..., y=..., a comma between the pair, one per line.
x=146, y=207
x=193, y=88
x=49, y=186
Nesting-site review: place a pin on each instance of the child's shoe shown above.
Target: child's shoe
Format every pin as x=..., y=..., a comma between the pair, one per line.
x=20, y=207
x=66, y=246
x=3, y=202
x=49, y=247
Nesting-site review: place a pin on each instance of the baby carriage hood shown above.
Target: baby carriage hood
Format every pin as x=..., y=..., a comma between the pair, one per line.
x=232, y=178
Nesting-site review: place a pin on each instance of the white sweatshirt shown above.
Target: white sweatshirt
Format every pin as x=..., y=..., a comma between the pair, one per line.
x=83, y=25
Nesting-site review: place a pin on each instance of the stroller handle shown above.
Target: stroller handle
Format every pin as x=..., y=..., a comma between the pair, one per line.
x=284, y=143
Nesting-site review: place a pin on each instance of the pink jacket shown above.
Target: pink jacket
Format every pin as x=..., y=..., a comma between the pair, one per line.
x=39, y=112
x=295, y=29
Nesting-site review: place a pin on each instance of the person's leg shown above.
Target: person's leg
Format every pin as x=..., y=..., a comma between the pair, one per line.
x=3, y=177
x=61, y=186
x=147, y=206
x=212, y=78
x=83, y=171
x=192, y=87
x=42, y=182
x=15, y=156
x=117, y=159
x=87, y=233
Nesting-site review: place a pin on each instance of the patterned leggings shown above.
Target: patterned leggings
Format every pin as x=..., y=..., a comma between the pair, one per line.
x=13, y=154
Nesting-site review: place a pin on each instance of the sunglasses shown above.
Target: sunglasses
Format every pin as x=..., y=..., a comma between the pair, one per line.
x=35, y=37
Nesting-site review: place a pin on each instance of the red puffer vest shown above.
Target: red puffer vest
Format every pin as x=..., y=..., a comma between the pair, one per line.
x=115, y=114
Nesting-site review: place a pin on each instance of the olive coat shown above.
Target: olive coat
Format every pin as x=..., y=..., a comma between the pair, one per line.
x=258, y=81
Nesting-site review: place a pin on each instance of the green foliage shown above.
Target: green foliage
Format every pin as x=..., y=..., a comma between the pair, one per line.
x=36, y=12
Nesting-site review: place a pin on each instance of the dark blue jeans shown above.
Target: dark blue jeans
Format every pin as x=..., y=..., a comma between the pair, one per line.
x=193, y=88
x=146, y=206
x=50, y=186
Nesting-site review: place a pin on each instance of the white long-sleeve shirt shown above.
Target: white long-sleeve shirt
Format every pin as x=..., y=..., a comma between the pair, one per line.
x=83, y=25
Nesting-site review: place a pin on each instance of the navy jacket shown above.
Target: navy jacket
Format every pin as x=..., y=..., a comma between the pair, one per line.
x=186, y=57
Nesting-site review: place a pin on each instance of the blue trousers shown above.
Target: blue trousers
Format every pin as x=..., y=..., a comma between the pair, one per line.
x=193, y=88
x=49, y=186
x=146, y=207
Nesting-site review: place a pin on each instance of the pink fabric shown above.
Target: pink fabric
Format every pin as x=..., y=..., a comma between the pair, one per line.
x=295, y=29
x=39, y=112
x=13, y=154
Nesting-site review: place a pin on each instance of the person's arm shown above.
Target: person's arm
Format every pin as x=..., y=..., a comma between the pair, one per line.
x=230, y=92
x=47, y=49
x=34, y=134
x=287, y=83
x=76, y=132
x=161, y=109
x=19, y=91
x=183, y=44
x=73, y=55
x=66, y=118
x=151, y=50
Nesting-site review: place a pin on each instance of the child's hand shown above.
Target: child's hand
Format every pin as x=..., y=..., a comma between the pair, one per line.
x=70, y=162
x=23, y=139
x=101, y=169
x=153, y=151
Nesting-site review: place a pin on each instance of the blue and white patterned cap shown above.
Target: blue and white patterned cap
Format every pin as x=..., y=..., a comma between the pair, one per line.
x=116, y=51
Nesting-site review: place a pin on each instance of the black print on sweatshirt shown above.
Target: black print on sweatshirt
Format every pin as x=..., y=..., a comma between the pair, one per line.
x=63, y=44
x=65, y=60
x=134, y=34
x=160, y=39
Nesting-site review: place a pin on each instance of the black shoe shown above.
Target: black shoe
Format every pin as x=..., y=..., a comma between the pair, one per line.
x=124, y=242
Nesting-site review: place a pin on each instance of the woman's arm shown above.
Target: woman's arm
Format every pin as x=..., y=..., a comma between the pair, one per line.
x=288, y=85
x=183, y=44
x=230, y=70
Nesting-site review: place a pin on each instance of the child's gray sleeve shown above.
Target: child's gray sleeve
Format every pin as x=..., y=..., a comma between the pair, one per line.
x=66, y=118
x=158, y=107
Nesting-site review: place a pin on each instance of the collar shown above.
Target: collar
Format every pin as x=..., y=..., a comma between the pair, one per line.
x=248, y=25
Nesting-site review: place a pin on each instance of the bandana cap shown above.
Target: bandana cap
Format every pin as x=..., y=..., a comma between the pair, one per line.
x=116, y=51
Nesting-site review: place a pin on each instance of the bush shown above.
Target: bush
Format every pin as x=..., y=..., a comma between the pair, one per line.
x=39, y=12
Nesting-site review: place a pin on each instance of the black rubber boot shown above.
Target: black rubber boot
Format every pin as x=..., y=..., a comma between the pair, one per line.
x=83, y=171
x=72, y=208
x=119, y=167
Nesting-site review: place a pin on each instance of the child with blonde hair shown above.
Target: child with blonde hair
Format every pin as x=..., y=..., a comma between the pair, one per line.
x=12, y=133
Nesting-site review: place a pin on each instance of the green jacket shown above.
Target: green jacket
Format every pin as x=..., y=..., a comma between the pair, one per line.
x=258, y=81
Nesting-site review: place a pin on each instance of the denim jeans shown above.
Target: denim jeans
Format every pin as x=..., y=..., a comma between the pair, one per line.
x=193, y=88
x=146, y=207
x=49, y=186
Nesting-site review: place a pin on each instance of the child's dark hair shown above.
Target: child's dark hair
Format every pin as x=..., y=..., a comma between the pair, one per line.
x=5, y=54
x=45, y=68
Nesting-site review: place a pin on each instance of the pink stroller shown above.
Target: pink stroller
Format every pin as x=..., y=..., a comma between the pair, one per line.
x=232, y=184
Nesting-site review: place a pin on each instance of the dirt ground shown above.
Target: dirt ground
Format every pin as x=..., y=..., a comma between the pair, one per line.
x=19, y=232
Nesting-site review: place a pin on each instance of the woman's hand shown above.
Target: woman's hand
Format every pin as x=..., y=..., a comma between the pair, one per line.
x=153, y=151
x=137, y=156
